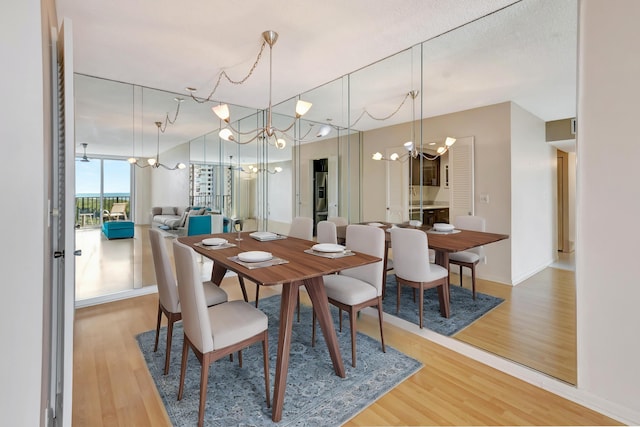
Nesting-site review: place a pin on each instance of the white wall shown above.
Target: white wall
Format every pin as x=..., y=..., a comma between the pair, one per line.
x=24, y=213
x=533, y=196
x=607, y=277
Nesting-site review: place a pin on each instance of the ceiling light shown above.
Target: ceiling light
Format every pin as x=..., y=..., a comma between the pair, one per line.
x=323, y=131
x=412, y=151
x=154, y=162
x=269, y=133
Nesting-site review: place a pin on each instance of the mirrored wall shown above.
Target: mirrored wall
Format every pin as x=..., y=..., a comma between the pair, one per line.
x=453, y=85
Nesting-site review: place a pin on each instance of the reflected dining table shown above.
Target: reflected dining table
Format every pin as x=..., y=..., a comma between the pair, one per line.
x=443, y=243
x=299, y=268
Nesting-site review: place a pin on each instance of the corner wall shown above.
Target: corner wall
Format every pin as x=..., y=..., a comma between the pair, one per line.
x=607, y=284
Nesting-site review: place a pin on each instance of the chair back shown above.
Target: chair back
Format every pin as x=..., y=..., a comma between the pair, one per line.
x=338, y=220
x=167, y=290
x=195, y=316
x=411, y=255
x=302, y=228
x=368, y=240
x=326, y=232
x=474, y=223
x=198, y=224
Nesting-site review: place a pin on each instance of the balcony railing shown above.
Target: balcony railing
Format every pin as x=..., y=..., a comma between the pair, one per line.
x=89, y=211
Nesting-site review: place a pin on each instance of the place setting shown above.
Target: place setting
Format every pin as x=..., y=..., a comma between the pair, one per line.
x=329, y=250
x=266, y=236
x=214, y=243
x=443, y=228
x=257, y=259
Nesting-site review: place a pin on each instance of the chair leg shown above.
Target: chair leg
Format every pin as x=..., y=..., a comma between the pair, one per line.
x=242, y=287
x=340, y=316
x=240, y=358
x=204, y=378
x=384, y=350
x=421, y=303
x=155, y=347
x=298, y=305
x=265, y=356
x=352, y=321
x=398, y=297
x=167, y=356
x=183, y=367
x=313, y=329
x=473, y=280
x=460, y=274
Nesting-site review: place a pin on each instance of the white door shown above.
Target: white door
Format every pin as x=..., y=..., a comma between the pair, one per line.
x=461, y=178
x=397, y=188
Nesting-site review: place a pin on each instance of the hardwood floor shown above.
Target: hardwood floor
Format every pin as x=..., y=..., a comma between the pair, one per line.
x=535, y=325
x=113, y=387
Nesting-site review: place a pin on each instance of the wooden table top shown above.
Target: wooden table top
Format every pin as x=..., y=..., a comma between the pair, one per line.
x=301, y=265
x=449, y=242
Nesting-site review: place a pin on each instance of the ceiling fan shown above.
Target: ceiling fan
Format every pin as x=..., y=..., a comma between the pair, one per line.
x=84, y=157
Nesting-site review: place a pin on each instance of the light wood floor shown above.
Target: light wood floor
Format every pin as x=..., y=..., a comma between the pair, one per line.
x=112, y=386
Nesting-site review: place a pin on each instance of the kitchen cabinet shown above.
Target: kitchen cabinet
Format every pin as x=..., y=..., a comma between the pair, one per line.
x=442, y=215
x=430, y=172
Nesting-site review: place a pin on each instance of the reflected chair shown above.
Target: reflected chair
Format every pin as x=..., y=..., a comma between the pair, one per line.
x=470, y=257
x=412, y=267
x=326, y=232
x=301, y=228
x=339, y=222
x=169, y=302
x=353, y=289
x=117, y=211
x=216, y=331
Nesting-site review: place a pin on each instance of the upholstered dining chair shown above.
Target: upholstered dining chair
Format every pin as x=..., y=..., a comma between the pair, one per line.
x=169, y=302
x=326, y=232
x=470, y=257
x=412, y=266
x=356, y=288
x=301, y=228
x=216, y=331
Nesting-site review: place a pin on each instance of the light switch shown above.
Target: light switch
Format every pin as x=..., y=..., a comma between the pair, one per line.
x=484, y=198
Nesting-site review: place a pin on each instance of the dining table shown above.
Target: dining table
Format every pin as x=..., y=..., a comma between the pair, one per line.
x=291, y=267
x=442, y=242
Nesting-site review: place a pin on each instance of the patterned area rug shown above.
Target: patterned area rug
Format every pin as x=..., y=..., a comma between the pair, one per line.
x=464, y=309
x=314, y=394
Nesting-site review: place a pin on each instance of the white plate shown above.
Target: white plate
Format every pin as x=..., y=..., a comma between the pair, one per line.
x=328, y=247
x=254, y=256
x=415, y=223
x=376, y=224
x=214, y=241
x=439, y=226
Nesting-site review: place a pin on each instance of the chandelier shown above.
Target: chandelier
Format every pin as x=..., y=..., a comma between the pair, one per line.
x=269, y=133
x=412, y=150
x=154, y=162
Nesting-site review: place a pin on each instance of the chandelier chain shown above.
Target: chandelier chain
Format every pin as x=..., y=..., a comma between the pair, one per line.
x=167, y=120
x=381, y=118
x=224, y=74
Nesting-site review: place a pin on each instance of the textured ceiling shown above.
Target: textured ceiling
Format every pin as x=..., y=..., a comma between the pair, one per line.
x=525, y=53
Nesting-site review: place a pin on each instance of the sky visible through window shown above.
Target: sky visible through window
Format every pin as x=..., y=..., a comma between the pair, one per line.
x=117, y=174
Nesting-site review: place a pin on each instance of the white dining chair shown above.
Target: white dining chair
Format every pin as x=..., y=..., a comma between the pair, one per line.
x=470, y=257
x=326, y=232
x=217, y=331
x=169, y=301
x=412, y=267
x=356, y=288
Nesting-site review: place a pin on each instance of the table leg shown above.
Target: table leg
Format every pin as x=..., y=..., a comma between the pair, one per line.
x=217, y=274
x=318, y=295
x=287, y=306
x=442, y=258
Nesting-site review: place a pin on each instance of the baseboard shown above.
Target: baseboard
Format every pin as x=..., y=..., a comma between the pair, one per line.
x=620, y=413
x=103, y=299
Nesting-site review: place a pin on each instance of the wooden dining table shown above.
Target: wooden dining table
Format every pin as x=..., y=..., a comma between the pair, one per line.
x=299, y=269
x=443, y=243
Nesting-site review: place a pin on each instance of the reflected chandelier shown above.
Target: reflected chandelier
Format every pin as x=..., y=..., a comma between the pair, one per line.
x=268, y=132
x=154, y=162
x=412, y=151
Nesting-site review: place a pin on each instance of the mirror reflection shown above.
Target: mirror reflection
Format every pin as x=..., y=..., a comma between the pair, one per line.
x=325, y=169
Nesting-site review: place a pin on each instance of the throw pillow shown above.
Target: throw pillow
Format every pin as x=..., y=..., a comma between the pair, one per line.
x=168, y=210
x=183, y=220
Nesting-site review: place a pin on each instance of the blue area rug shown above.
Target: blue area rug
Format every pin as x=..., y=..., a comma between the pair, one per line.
x=464, y=309
x=315, y=395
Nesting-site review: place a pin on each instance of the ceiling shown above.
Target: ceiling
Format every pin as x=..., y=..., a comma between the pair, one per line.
x=525, y=53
